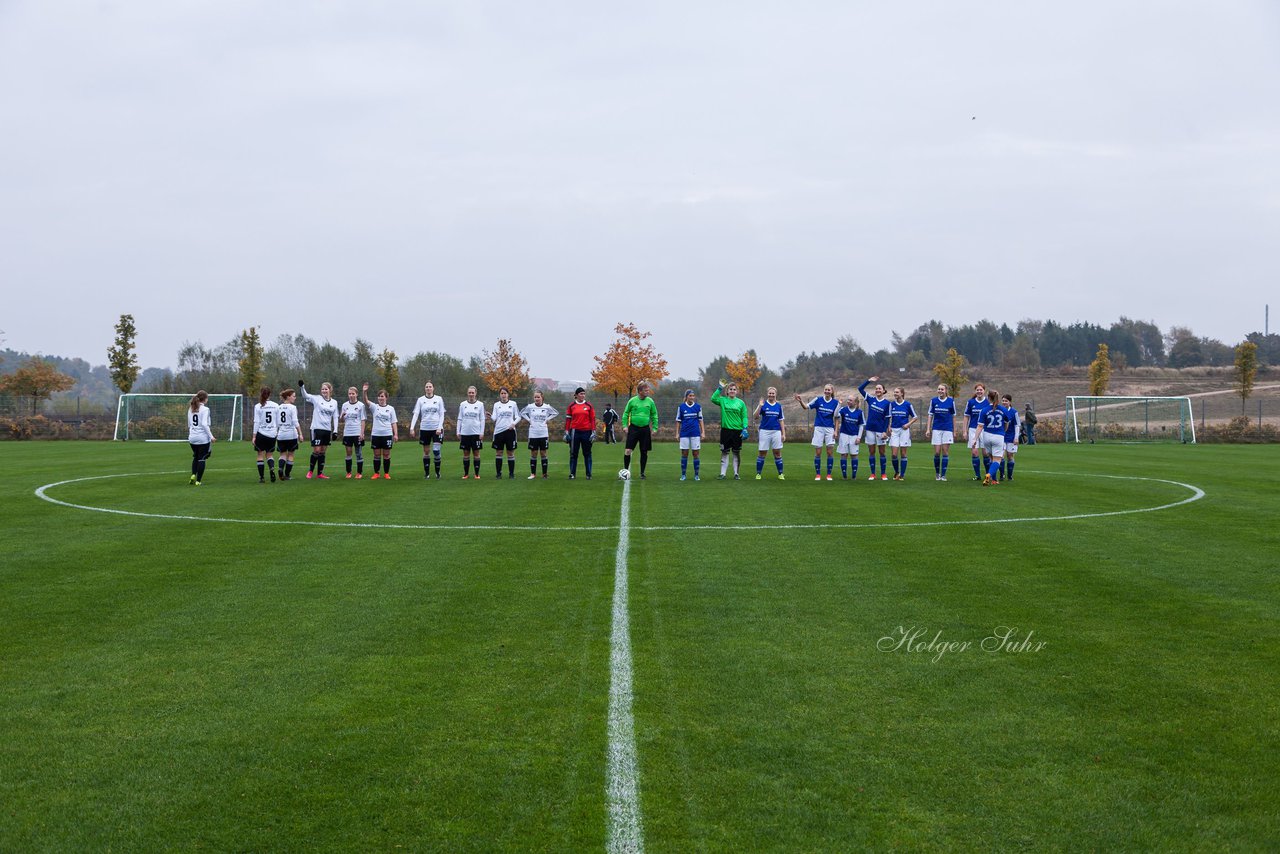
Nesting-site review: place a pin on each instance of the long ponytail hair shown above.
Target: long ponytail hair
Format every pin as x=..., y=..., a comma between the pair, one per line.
x=264, y=395
x=197, y=399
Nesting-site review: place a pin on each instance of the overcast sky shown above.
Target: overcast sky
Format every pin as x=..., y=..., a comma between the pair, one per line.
x=431, y=176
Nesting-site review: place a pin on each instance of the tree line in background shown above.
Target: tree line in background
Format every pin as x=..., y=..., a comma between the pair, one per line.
x=244, y=363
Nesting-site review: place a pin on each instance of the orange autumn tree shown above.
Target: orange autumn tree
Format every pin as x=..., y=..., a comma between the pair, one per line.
x=505, y=368
x=36, y=379
x=628, y=361
x=745, y=371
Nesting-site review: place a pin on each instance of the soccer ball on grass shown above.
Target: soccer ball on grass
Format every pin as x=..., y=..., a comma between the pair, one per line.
x=624, y=474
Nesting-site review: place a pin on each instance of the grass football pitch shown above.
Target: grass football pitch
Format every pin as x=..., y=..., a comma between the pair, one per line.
x=1087, y=658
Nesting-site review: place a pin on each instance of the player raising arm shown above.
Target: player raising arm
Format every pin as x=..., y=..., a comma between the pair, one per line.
x=773, y=432
x=733, y=426
x=289, y=433
x=385, y=433
x=877, y=432
x=324, y=423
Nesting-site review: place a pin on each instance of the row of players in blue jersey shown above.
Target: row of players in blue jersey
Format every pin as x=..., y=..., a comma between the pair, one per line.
x=886, y=422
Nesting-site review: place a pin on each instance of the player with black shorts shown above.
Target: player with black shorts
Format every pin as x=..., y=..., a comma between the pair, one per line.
x=470, y=425
x=505, y=416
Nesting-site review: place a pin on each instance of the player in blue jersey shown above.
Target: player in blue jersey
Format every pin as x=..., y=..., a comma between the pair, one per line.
x=991, y=437
x=692, y=432
x=773, y=432
x=824, y=429
x=901, y=416
x=940, y=426
x=877, y=432
x=852, y=422
x=1012, y=422
x=973, y=409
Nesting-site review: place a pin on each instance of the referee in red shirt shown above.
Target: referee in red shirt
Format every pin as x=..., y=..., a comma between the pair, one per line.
x=580, y=424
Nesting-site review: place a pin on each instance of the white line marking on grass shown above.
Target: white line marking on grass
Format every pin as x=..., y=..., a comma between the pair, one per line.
x=622, y=788
x=1196, y=494
x=42, y=493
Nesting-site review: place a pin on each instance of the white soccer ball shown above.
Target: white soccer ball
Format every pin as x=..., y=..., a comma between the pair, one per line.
x=624, y=474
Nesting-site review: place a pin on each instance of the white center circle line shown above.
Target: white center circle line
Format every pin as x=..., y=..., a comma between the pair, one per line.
x=1196, y=494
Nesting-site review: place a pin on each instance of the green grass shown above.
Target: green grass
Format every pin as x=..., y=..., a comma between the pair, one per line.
x=181, y=683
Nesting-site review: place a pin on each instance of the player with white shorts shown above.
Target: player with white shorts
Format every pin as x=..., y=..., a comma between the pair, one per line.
x=824, y=429
x=991, y=437
x=773, y=432
x=1011, y=424
x=973, y=409
x=901, y=416
x=940, y=428
x=692, y=431
x=877, y=432
x=852, y=423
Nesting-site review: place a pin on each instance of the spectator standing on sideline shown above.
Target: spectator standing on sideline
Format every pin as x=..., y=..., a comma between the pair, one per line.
x=1029, y=424
x=610, y=418
x=580, y=429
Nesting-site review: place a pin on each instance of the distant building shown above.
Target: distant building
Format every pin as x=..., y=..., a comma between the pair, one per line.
x=545, y=384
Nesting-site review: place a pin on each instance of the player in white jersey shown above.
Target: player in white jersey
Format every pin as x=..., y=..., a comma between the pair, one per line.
x=352, y=420
x=385, y=432
x=324, y=423
x=470, y=426
x=266, y=426
x=505, y=416
x=538, y=414
x=428, y=416
x=288, y=434
x=199, y=435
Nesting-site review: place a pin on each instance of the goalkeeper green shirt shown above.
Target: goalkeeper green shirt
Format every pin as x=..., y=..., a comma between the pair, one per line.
x=641, y=412
x=733, y=411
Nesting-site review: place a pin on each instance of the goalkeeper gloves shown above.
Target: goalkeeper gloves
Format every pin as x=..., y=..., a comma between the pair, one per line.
x=744, y=432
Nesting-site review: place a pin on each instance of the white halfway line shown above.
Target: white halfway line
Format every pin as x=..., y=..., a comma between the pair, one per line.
x=622, y=787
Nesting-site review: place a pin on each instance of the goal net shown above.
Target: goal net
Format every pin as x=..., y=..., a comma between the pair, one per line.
x=164, y=417
x=1130, y=419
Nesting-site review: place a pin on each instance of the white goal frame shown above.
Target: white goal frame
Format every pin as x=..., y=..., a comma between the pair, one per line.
x=1085, y=412
x=227, y=429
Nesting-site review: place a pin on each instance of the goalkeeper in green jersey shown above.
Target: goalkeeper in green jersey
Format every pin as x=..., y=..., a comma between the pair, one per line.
x=733, y=426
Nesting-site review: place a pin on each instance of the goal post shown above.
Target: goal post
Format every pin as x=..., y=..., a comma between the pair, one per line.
x=1130, y=419
x=163, y=417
